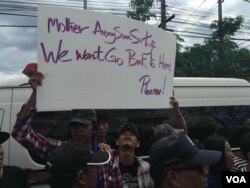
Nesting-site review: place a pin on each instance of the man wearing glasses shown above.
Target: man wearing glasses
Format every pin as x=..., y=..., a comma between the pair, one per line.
x=176, y=162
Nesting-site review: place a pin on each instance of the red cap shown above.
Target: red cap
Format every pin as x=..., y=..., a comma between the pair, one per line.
x=30, y=69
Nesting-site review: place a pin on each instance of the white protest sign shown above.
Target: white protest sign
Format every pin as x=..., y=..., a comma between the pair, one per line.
x=102, y=61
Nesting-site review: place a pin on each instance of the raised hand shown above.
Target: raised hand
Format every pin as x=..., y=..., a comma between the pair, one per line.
x=36, y=80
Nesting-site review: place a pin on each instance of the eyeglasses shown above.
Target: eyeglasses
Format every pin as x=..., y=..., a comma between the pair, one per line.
x=200, y=169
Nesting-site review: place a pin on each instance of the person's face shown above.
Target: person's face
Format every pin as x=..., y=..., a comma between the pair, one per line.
x=80, y=132
x=189, y=178
x=102, y=128
x=129, y=138
x=1, y=156
x=228, y=156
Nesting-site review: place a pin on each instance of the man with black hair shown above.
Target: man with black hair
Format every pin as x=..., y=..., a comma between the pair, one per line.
x=101, y=135
x=10, y=176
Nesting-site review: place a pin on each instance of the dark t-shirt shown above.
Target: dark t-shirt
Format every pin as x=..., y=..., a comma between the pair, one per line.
x=13, y=177
x=129, y=175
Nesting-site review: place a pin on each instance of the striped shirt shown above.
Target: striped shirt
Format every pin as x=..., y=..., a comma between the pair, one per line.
x=239, y=164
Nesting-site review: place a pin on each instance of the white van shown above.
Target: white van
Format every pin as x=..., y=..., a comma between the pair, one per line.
x=223, y=101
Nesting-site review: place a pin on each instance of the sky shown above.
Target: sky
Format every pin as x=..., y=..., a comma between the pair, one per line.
x=18, y=21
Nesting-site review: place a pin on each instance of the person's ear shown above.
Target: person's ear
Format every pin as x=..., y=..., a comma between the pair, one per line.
x=81, y=177
x=117, y=142
x=172, y=178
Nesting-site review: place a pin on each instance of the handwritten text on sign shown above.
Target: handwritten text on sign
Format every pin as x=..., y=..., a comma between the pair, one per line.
x=95, y=60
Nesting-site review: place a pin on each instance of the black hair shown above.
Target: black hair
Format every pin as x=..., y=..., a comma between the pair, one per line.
x=94, y=125
x=217, y=143
x=65, y=180
x=198, y=144
x=157, y=174
x=61, y=180
x=245, y=145
x=238, y=133
x=204, y=129
x=102, y=115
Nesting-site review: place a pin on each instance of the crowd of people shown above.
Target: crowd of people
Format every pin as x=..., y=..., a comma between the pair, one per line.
x=91, y=159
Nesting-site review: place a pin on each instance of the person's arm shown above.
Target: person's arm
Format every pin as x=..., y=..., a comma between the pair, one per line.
x=180, y=121
x=34, y=81
x=22, y=131
x=36, y=144
x=24, y=117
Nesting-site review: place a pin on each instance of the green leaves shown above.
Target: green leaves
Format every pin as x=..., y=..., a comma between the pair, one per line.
x=216, y=58
x=140, y=10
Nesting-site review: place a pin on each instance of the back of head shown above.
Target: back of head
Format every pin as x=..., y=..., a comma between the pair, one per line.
x=204, y=129
x=177, y=150
x=163, y=130
x=238, y=133
x=66, y=160
x=245, y=145
x=216, y=143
